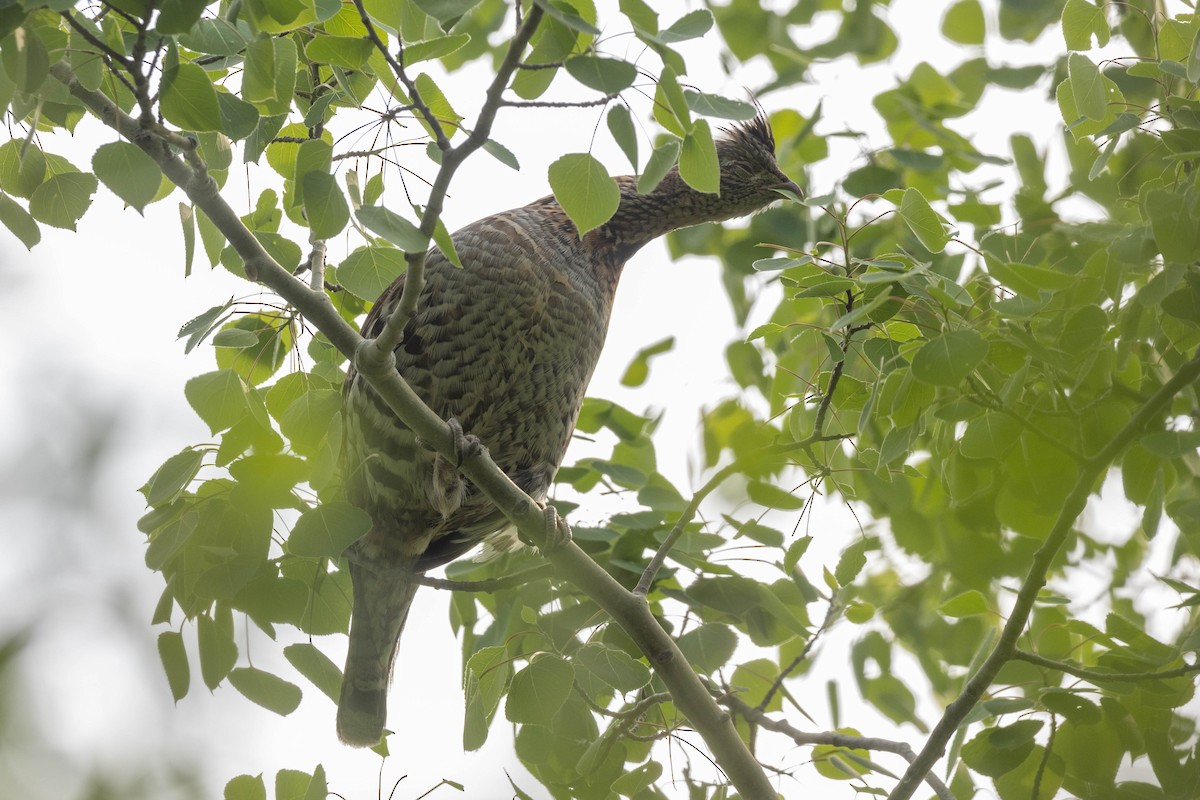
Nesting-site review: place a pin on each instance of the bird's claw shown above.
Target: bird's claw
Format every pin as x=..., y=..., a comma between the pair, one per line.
x=465, y=444
x=558, y=532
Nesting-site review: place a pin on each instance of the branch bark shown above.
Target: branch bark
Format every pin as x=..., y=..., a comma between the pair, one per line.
x=758, y=717
x=1006, y=646
x=376, y=364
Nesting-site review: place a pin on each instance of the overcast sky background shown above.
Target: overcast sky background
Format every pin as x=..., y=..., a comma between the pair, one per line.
x=93, y=403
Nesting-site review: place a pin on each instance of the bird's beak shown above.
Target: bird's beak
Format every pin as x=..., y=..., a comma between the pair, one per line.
x=790, y=190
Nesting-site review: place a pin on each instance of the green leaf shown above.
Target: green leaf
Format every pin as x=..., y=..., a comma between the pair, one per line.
x=964, y=23
x=178, y=16
x=347, y=52
x=614, y=667
x=584, y=190
x=1087, y=89
x=690, y=26
x=996, y=751
x=1176, y=231
x=923, y=221
x=246, y=787
x=607, y=75
x=487, y=673
x=416, y=52
x=269, y=691
x=770, y=496
x=22, y=167
x=188, y=99
x=539, y=690
x=709, y=647
x=638, y=779
x=698, y=164
x=620, y=125
x=25, y=59
x=327, y=530
x=712, y=105
x=566, y=17
x=657, y=167
x=18, y=220
x=501, y=154
x=219, y=398
x=446, y=10
x=218, y=652
x=269, y=79
x=948, y=359
x=1030, y=279
x=755, y=679
x=171, y=479
x=445, y=244
x=324, y=205
x=670, y=106
x=1172, y=444
x=393, y=227
x=174, y=660
x=124, y=168
x=639, y=368
x=438, y=103
x=1080, y=21
x=316, y=666
x=369, y=270
x=63, y=199
x=966, y=604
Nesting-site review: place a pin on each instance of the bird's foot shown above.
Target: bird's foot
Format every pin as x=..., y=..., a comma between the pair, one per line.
x=465, y=444
x=558, y=532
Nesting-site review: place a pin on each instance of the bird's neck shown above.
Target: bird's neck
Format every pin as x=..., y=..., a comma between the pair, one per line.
x=641, y=218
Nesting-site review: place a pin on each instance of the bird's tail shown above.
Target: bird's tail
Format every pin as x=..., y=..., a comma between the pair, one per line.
x=381, y=603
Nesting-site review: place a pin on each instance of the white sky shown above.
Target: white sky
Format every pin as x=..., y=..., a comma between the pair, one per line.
x=95, y=314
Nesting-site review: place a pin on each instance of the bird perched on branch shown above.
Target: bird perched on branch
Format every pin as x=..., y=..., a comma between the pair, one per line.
x=505, y=346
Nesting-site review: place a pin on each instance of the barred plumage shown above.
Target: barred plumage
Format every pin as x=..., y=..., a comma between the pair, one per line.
x=505, y=345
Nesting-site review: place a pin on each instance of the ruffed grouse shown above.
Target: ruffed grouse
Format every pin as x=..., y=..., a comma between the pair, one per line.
x=505, y=346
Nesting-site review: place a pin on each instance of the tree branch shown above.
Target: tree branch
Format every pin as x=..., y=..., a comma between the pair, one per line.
x=377, y=365
x=1006, y=646
x=452, y=158
x=1101, y=676
x=833, y=739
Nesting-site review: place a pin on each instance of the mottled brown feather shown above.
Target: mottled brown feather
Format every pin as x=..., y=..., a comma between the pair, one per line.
x=505, y=345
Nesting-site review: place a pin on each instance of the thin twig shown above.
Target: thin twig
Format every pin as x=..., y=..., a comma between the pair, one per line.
x=414, y=95
x=491, y=585
x=452, y=157
x=830, y=616
x=1102, y=676
x=689, y=512
x=599, y=101
x=832, y=739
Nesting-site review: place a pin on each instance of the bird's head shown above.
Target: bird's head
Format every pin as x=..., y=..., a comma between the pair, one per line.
x=750, y=175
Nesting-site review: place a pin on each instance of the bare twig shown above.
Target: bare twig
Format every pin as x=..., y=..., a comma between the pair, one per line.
x=689, y=512
x=833, y=739
x=599, y=101
x=830, y=616
x=1006, y=646
x=452, y=157
x=397, y=65
x=1103, y=676
x=492, y=585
